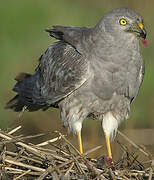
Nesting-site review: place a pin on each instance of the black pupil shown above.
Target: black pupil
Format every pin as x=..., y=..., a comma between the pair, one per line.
x=123, y=21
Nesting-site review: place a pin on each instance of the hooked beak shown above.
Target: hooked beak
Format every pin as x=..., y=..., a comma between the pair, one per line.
x=138, y=29
x=142, y=34
x=142, y=31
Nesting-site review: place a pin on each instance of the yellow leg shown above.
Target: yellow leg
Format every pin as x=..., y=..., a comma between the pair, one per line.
x=108, y=146
x=80, y=142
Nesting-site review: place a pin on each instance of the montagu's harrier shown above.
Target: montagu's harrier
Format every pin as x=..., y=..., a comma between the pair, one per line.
x=89, y=72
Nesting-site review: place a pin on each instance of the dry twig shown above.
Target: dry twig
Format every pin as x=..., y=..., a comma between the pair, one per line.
x=34, y=161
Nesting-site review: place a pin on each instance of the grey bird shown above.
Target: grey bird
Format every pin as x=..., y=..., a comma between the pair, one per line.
x=89, y=72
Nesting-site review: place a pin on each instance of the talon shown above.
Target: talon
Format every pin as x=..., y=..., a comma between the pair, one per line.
x=109, y=162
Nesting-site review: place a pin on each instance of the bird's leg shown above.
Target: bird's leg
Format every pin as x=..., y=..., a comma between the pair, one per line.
x=108, y=146
x=80, y=142
x=110, y=125
x=108, y=159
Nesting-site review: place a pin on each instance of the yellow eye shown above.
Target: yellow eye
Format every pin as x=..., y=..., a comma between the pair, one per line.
x=123, y=22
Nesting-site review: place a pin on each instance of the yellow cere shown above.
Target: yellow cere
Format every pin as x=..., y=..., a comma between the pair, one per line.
x=140, y=25
x=123, y=22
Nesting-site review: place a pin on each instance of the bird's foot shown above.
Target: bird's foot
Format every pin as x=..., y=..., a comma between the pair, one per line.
x=105, y=160
x=109, y=162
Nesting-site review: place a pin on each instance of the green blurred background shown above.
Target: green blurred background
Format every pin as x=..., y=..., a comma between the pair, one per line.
x=23, y=40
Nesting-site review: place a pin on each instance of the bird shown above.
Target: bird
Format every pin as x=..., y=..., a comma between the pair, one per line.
x=91, y=72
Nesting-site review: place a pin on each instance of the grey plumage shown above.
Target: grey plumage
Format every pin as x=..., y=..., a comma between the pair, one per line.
x=88, y=72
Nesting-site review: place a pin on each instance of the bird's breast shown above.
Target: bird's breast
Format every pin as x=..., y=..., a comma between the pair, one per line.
x=115, y=76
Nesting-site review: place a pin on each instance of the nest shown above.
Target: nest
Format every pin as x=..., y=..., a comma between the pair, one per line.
x=29, y=161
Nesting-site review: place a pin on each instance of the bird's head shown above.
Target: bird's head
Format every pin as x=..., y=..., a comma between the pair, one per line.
x=124, y=23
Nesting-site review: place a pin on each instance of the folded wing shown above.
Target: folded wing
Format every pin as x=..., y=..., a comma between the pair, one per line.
x=62, y=70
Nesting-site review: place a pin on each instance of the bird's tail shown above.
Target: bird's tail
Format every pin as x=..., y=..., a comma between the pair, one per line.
x=24, y=87
x=15, y=104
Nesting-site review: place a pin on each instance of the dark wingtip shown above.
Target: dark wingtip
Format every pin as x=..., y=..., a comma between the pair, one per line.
x=12, y=103
x=55, y=32
x=53, y=28
x=47, y=30
x=22, y=76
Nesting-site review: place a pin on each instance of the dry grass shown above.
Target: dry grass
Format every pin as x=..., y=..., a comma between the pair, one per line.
x=63, y=160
